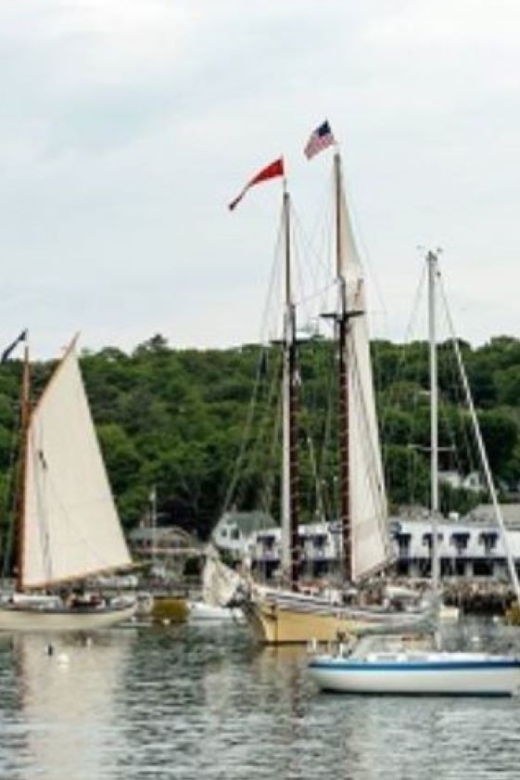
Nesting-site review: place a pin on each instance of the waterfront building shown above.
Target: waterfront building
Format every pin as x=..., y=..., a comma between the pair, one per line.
x=469, y=547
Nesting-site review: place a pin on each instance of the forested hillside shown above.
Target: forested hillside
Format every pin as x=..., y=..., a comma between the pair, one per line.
x=176, y=419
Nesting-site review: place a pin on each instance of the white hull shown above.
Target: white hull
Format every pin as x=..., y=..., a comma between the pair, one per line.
x=200, y=612
x=432, y=674
x=26, y=618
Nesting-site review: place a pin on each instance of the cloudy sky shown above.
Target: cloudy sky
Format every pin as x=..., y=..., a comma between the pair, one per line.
x=127, y=126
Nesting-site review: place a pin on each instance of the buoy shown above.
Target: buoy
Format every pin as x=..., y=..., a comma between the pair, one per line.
x=50, y=649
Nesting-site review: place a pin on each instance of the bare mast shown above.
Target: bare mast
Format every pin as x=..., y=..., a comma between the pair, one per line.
x=290, y=541
x=431, y=259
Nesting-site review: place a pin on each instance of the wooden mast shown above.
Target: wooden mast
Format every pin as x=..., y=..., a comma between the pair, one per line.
x=290, y=540
x=20, y=509
x=342, y=324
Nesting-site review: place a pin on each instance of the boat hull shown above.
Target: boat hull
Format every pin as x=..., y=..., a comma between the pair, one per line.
x=274, y=624
x=294, y=619
x=200, y=612
x=32, y=619
x=449, y=674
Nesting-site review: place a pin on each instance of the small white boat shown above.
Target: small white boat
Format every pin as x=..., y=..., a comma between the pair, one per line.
x=201, y=612
x=418, y=673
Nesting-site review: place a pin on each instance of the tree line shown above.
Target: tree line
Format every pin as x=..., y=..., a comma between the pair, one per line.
x=202, y=426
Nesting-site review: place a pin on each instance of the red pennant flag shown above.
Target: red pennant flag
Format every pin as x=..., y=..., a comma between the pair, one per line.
x=270, y=172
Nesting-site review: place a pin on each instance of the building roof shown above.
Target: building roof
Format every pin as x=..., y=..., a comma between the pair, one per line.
x=486, y=513
x=248, y=522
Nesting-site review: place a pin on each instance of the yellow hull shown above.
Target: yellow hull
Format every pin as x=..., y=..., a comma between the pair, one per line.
x=169, y=609
x=274, y=624
x=291, y=619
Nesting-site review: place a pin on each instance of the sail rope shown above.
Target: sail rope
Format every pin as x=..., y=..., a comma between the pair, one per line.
x=482, y=449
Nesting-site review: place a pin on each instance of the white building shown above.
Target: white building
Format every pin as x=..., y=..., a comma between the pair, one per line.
x=468, y=547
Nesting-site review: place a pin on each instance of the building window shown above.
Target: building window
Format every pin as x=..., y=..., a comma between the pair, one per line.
x=427, y=540
x=482, y=569
x=319, y=541
x=460, y=541
x=488, y=539
x=266, y=541
x=403, y=542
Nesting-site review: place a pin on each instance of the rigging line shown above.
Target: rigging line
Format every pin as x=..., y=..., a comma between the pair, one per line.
x=314, y=282
x=322, y=265
x=264, y=339
x=10, y=492
x=266, y=496
x=247, y=432
x=405, y=353
x=273, y=283
x=466, y=444
x=267, y=488
x=305, y=426
x=482, y=449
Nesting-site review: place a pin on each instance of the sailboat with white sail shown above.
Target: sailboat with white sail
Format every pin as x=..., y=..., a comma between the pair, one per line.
x=67, y=527
x=414, y=665
x=285, y=615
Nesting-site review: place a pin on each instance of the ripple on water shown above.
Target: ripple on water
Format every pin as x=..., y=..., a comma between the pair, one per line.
x=186, y=702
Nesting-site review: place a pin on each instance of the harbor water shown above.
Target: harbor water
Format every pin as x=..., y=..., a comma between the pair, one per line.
x=146, y=703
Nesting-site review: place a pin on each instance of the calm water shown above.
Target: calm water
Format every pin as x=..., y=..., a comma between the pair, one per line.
x=181, y=702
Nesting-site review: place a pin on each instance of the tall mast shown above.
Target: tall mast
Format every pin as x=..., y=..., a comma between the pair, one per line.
x=290, y=542
x=20, y=509
x=342, y=321
x=431, y=259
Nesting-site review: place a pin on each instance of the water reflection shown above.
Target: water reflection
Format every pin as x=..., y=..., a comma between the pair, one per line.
x=205, y=702
x=60, y=715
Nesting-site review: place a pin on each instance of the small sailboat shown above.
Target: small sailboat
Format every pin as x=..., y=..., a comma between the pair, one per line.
x=67, y=527
x=283, y=614
x=219, y=587
x=415, y=665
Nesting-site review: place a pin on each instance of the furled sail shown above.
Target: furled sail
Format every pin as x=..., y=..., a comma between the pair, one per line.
x=220, y=583
x=70, y=524
x=371, y=548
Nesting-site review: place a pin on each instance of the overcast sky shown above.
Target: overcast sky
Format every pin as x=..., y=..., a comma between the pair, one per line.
x=127, y=126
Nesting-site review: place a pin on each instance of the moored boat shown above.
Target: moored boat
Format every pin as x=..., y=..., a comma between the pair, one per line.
x=283, y=614
x=407, y=672
x=67, y=527
x=423, y=670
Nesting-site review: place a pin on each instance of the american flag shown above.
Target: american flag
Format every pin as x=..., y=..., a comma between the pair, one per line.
x=320, y=139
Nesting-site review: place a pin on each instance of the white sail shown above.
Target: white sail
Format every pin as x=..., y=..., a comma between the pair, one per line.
x=70, y=524
x=220, y=583
x=371, y=547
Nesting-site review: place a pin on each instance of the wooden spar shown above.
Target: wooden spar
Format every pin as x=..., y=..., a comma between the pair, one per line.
x=342, y=323
x=290, y=550
x=20, y=510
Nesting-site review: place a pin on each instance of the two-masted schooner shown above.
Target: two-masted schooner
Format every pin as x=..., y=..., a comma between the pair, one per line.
x=284, y=614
